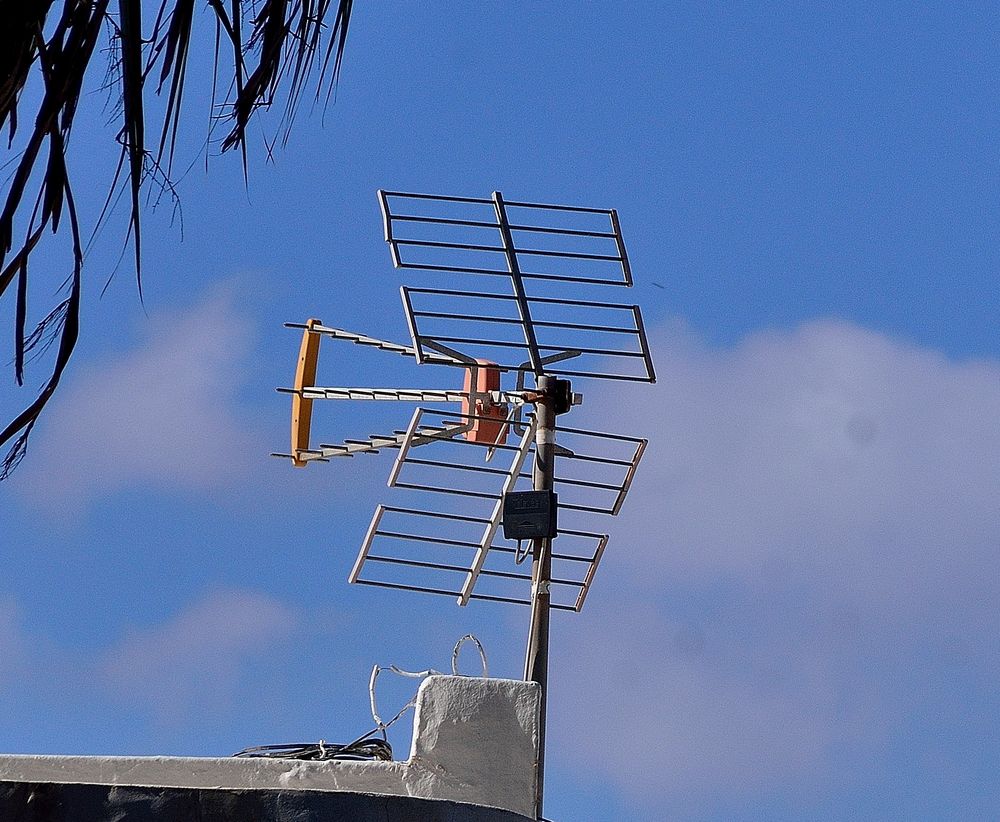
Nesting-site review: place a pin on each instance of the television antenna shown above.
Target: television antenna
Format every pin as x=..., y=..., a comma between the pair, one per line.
x=519, y=326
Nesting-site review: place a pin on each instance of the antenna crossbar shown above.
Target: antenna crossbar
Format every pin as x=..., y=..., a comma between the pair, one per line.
x=373, y=444
x=317, y=392
x=391, y=394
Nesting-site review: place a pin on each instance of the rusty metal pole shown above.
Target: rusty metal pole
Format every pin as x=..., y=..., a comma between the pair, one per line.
x=536, y=666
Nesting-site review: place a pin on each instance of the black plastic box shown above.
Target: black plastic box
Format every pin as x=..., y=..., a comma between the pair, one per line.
x=529, y=514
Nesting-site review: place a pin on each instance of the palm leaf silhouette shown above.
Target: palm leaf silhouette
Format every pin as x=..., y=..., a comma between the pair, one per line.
x=273, y=48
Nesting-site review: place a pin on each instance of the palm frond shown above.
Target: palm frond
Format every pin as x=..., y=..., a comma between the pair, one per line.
x=133, y=136
x=279, y=39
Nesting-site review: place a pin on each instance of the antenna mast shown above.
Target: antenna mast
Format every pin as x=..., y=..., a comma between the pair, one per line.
x=536, y=663
x=488, y=332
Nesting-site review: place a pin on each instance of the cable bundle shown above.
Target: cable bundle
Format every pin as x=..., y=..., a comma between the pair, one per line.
x=362, y=749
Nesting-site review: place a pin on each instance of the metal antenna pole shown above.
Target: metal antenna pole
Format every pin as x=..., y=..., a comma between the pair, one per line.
x=536, y=665
x=472, y=329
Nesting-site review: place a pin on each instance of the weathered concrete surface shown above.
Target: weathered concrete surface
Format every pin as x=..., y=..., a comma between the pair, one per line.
x=50, y=802
x=475, y=741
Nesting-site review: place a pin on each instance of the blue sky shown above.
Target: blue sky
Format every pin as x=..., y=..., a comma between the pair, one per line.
x=796, y=617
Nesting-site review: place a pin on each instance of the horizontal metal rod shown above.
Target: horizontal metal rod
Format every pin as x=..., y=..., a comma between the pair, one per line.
x=504, y=575
x=570, y=232
x=550, y=300
x=592, y=509
x=587, y=484
x=582, y=483
x=537, y=252
x=435, y=395
x=492, y=598
x=527, y=275
x=551, y=207
x=435, y=566
x=597, y=375
x=414, y=218
x=591, y=534
x=496, y=598
x=401, y=587
x=317, y=392
x=425, y=430
x=455, y=414
x=526, y=577
x=447, y=198
x=439, y=514
x=292, y=456
x=383, y=345
x=376, y=441
x=569, y=255
x=451, y=269
x=592, y=458
x=484, y=597
x=538, y=229
x=522, y=346
x=443, y=315
x=398, y=586
x=497, y=446
x=459, y=467
x=446, y=244
x=435, y=490
x=503, y=549
x=601, y=434
x=357, y=339
x=457, y=543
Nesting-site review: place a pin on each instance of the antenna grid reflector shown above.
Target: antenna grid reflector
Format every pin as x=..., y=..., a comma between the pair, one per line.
x=464, y=235
x=541, y=250
x=449, y=542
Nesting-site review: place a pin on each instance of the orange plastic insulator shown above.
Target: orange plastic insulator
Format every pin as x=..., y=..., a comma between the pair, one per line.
x=480, y=379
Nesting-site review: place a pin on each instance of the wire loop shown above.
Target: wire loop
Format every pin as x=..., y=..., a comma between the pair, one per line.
x=479, y=647
x=380, y=725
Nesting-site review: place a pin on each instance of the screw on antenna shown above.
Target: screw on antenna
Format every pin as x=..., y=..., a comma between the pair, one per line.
x=518, y=322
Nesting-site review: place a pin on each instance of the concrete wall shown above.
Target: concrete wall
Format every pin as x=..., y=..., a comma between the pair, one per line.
x=475, y=741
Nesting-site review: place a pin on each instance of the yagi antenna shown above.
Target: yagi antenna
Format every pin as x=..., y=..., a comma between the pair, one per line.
x=508, y=308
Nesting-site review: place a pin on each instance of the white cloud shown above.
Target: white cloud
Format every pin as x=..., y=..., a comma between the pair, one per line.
x=828, y=449
x=193, y=662
x=812, y=538
x=161, y=414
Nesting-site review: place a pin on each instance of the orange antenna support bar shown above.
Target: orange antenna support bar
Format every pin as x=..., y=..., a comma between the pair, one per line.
x=305, y=375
